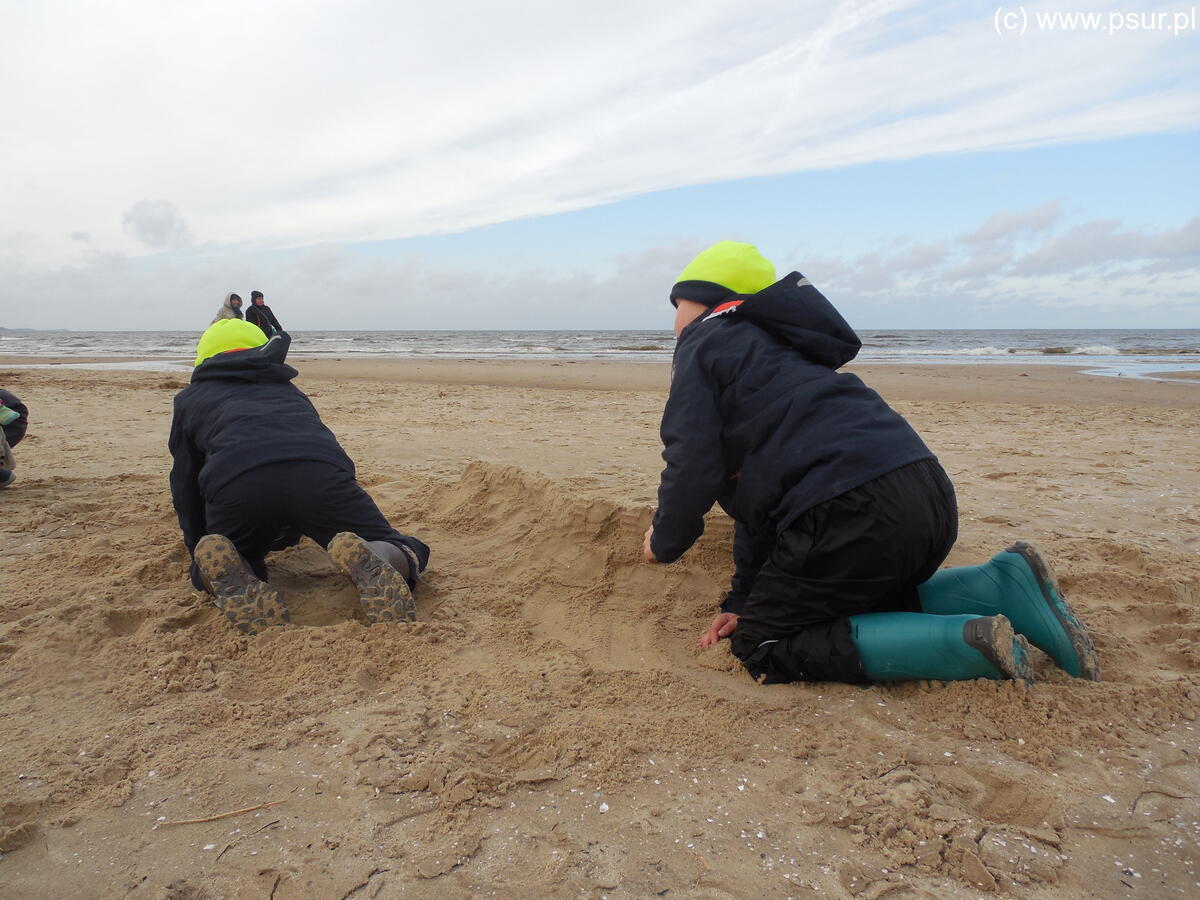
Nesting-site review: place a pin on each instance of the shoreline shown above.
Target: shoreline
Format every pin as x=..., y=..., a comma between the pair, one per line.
x=962, y=382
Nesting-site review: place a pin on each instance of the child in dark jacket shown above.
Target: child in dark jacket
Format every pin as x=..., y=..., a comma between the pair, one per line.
x=255, y=468
x=842, y=513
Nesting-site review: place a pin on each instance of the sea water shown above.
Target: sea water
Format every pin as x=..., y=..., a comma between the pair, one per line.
x=1111, y=352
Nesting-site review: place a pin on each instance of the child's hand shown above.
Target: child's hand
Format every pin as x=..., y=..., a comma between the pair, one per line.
x=646, y=551
x=722, y=627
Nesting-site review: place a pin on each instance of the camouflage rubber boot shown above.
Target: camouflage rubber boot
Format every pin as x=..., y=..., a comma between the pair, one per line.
x=382, y=589
x=251, y=605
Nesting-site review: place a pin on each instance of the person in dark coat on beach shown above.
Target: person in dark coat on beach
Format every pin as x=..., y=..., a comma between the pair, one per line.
x=258, y=313
x=255, y=468
x=842, y=515
x=14, y=419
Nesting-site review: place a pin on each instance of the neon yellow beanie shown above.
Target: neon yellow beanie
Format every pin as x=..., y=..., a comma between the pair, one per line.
x=226, y=335
x=736, y=267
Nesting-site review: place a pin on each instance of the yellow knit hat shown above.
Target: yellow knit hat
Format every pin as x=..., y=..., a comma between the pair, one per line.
x=226, y=335
x=724, y=269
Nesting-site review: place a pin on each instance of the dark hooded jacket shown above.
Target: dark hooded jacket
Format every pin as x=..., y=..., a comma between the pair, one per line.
x=760, y=420
x=15, y=430
x=241, y=411
x=263, y=318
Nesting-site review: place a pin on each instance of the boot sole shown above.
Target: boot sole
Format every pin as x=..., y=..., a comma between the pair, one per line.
x=382, y=591
x=993, y=636
x=414, y=565
x=249, y=604
x=1081, y=642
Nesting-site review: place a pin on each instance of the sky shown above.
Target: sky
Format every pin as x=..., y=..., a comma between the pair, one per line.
x=533, y=164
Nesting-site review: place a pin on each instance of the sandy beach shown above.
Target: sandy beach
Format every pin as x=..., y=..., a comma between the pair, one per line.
x=547, y=727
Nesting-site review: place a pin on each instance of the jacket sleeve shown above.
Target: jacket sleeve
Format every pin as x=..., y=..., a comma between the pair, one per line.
x=750, y=552
x=695, y=471
x=185, y=484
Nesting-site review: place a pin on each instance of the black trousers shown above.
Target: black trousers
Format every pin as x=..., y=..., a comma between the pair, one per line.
x=861, y=552
x=272, y=506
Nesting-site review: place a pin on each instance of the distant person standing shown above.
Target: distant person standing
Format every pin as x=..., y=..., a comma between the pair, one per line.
x=260, y=314
x=230, y=309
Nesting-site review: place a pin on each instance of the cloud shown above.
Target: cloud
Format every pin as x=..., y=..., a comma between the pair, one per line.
x=1182, y=243
x=157, y=224
x=1102, y=244
x=1097, y=244
x=1135, y=278
x=384, y=120
x=1098, y=264
x=979, y=265
x=1006, y=225
x=921, y=256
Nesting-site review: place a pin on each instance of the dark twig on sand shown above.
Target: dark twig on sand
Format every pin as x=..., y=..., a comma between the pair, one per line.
x=1133, y=806
x=363, y=885
x=244, y=836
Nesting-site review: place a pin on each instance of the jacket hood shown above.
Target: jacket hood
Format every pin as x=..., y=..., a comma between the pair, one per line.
x=229, y=311
x=800, y=316
x=260, y=365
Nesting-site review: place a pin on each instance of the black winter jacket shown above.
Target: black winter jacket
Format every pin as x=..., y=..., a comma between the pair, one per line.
x=759, y=420
x=263, y=318
x=241, y=411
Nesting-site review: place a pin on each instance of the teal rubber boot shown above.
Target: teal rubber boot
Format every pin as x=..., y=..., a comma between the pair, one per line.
x=901, y=646
x=1017, y=584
